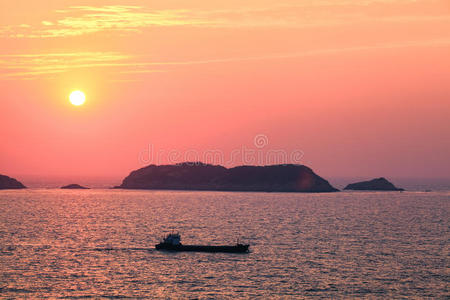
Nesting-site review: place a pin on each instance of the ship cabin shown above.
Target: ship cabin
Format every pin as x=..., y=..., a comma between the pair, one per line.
x=172, y=239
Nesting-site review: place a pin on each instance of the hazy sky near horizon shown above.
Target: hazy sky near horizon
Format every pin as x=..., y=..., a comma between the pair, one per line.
x=347, y=87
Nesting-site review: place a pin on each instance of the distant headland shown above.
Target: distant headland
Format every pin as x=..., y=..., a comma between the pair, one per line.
x=10, y=183
x=200, y=176
x=377, y=184
x=74, y=186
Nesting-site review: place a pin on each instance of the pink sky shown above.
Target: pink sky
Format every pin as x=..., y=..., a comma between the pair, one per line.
x=358, y=87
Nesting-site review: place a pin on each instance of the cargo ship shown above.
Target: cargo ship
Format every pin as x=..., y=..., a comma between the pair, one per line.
x=172, y=242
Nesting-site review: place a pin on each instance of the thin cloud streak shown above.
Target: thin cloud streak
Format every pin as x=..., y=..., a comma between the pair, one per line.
x=42, y=64
x=81, y=20
x=17, y=65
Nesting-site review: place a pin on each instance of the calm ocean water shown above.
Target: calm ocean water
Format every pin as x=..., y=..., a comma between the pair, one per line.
x=99, y=243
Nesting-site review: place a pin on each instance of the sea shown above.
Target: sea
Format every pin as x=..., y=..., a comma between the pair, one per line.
x=99, y=243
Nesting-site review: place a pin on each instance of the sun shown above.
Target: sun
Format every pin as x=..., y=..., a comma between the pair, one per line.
x=77, y=98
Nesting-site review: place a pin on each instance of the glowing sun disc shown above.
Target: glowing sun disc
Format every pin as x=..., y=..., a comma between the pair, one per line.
x=77, y=98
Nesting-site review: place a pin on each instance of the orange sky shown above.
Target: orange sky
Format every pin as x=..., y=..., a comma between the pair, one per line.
x=358, y=87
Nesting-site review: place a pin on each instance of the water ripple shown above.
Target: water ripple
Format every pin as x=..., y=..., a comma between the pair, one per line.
x=100, y=244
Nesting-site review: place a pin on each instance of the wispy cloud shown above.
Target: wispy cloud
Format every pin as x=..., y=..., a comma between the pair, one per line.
x=80, y=20
x=20, y=65
x=32, y=65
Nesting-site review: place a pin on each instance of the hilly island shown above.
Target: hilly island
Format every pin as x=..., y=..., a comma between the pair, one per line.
x=200, y=176
x=7, y=182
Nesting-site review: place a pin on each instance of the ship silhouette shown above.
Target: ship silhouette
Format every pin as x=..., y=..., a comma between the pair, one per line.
x=172, y=242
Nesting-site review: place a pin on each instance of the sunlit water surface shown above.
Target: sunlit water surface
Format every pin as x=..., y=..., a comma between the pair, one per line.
x=100, y=243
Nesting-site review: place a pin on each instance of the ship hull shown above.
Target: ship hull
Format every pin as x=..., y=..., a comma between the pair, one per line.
x=197, y=248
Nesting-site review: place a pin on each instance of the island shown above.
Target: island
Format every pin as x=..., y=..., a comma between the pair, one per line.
x=74, y=187
x=377, y=184
x=200, y=176
x=7, y=182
